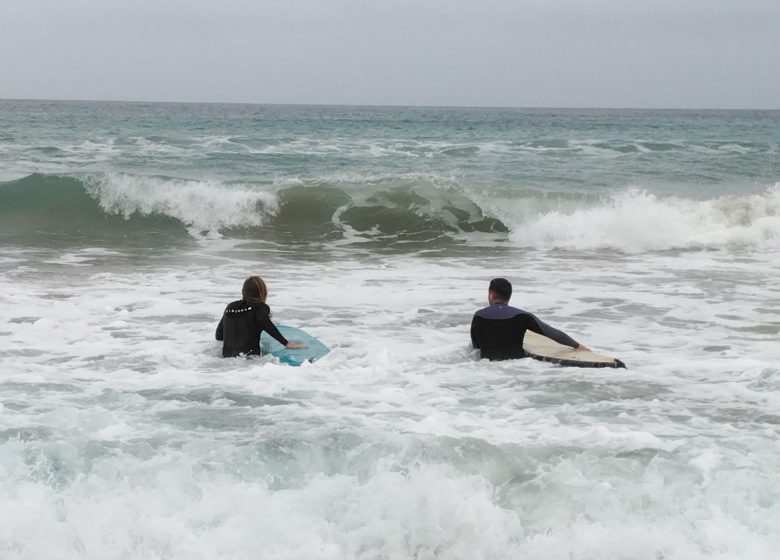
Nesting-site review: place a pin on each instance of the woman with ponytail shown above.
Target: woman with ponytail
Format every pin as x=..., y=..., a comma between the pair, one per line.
x=244, y=320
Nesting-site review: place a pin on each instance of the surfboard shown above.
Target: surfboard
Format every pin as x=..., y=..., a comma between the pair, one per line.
x=545, y=349
x=314, y=348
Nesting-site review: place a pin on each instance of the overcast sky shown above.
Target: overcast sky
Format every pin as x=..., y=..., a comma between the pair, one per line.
x=526, y=53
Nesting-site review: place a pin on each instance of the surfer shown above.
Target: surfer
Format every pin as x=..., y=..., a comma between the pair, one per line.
x=498, y=330
x=244, y=320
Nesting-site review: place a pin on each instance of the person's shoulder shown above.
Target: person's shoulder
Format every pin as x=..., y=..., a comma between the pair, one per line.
x=481, y=312
x=261, y=307
x=498, y=312
x=238, y=306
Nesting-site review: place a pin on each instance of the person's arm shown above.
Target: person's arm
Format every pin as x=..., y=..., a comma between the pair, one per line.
x=540, y=327
x=474, y=342
x=265, y=324
x=268, y=326
x=220, y=334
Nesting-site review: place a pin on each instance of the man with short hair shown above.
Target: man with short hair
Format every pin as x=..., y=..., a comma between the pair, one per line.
x=498, y=330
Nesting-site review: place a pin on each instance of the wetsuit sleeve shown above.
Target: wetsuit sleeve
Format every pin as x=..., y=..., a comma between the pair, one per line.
x=264, y=323
x=474, y=341
x=220, y=334
x=540, y=327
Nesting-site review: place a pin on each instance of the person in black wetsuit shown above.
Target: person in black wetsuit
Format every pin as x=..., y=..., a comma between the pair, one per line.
x=498, y=330
x=244, y=320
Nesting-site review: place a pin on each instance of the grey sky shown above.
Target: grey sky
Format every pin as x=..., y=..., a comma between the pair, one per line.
x=543, y=53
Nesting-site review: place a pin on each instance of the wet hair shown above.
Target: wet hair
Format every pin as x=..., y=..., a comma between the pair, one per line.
x=254, y=287
x=501, y=287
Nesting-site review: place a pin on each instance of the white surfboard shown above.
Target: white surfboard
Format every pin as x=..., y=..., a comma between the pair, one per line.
x=545, y=349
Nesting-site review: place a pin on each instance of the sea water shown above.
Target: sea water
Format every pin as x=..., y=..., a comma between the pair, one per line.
x=652, y=236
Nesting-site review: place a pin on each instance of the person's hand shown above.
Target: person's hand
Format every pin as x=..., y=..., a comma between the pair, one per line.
x=583, y=347
x=296, y=345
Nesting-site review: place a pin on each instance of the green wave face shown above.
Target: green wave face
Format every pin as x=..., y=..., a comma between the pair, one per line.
x=53, y=210
x=156, y=212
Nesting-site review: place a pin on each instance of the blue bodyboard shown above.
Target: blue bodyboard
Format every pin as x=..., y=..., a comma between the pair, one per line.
x=314, y=348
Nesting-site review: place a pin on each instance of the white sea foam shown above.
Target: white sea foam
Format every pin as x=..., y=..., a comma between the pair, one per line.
x=203, y=205
x=636, y=221
x=123, y=435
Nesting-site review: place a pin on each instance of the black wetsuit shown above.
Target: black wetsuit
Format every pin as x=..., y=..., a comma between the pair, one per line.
x=498, y=331
x=241, y=325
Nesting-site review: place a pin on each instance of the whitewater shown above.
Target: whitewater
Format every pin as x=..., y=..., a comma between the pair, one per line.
x=125, y=229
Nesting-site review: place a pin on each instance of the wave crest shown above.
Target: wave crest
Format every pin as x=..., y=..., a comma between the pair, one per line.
x=107, y=206
x=205, y=206
x=418, y=208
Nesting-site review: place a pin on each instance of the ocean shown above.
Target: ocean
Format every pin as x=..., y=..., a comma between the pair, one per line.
x=652, y=236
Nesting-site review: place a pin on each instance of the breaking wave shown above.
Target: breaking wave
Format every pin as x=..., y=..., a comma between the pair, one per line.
x=416, y=208
x=635, y=221
x=102, y=206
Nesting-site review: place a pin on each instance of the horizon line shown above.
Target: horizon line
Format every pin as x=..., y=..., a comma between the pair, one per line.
x=382, y=105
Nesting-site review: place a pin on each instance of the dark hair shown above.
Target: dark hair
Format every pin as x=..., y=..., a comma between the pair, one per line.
x=254, y=287
x=501, y=287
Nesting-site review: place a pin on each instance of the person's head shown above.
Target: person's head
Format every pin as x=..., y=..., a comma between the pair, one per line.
x=254, y=287
x=499, y=291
